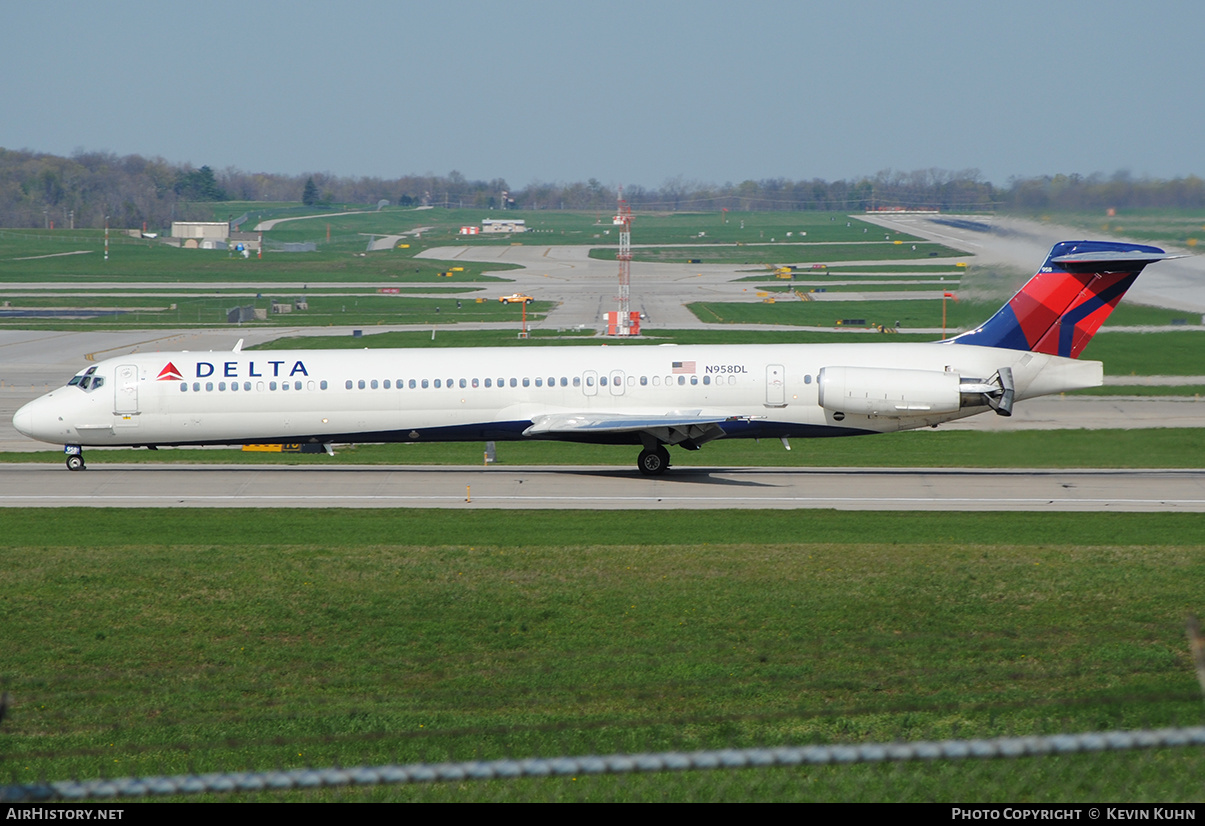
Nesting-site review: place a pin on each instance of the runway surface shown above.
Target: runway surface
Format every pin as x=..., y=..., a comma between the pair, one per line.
x=606, y=488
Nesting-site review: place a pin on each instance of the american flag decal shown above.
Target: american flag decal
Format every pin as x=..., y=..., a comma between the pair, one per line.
x=684, y=366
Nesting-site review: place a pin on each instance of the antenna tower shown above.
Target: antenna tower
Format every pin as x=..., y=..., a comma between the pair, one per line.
x=623, y=219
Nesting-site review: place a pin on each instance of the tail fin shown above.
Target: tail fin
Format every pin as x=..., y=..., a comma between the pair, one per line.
x=1064, y=304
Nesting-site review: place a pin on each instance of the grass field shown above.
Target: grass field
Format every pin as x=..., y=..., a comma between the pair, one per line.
x=441, y=226
x=886, y=269
x=292, y=638
x=138, y=312
x=596, y=228
x=38, y=256
x=785, y=253
x=1180, y=353
x=1176, y=227
x=909, y=312
x=1194, y=390
x=834, y=290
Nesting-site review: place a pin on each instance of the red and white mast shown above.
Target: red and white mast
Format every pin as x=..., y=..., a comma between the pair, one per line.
x=623, y=219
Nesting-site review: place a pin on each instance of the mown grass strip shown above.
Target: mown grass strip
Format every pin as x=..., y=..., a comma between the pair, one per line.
x=357, y=528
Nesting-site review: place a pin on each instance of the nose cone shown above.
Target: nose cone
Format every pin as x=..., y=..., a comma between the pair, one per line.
x=23, y=420
x=37, y=420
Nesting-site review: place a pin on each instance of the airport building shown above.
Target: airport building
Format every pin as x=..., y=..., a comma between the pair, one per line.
x=503, y=225
x=201, y=230
x=213, y=235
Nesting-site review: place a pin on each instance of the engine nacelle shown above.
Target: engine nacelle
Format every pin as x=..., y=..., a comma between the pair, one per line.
x=877, y=391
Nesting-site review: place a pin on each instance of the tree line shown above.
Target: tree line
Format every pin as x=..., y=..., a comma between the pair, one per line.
x=38, y=190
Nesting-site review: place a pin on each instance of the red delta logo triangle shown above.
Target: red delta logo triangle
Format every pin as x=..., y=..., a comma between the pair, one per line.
x=169, y=373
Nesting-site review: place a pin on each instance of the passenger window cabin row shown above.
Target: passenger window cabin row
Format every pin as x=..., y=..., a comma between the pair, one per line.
x=422, y=384
x=589, y=380
x=260, y=386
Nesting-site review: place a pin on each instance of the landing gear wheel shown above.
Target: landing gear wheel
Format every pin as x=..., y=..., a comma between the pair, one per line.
x=75, y=462
x=653, y=462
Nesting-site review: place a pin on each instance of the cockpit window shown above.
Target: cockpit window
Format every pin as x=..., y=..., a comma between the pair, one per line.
x=87, y=381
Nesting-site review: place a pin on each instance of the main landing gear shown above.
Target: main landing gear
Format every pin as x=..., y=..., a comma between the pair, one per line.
x=75, y=457
x=653, y=461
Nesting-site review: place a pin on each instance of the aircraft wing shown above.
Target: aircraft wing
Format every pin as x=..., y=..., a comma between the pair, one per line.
x=670, y=427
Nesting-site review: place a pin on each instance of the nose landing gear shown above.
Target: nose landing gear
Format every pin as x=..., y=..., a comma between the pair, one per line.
x=75, y=457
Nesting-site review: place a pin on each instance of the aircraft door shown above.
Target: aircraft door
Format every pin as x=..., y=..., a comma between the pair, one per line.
x=616, y=382
x=590, y=383
x=776, y=386
x=125, y=395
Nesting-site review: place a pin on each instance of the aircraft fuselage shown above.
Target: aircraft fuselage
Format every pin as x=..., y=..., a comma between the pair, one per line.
x=200, y=398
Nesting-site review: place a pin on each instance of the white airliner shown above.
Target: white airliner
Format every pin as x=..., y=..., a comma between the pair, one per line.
x=652, y=396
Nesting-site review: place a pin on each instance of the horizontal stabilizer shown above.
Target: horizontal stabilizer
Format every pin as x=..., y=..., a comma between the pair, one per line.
x=1113, y=260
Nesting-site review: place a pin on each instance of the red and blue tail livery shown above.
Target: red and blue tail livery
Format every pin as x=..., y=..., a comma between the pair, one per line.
x=1067, y=301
